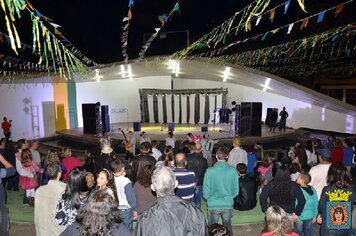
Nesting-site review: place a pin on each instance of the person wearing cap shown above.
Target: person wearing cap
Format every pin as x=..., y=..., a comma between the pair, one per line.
x=104, y=159
x=319, y=172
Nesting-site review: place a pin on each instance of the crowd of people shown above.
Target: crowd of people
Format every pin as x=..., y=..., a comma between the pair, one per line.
x=304, y=189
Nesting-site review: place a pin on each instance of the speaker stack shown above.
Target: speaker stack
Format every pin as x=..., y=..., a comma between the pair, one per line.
x=105, y=118
x=250, y=118
x=89, y=118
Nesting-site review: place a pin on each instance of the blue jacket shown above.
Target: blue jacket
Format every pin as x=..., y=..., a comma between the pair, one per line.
x=221, y=185
x=310, y=210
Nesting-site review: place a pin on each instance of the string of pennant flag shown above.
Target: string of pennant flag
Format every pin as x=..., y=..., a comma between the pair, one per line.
x=125, y=25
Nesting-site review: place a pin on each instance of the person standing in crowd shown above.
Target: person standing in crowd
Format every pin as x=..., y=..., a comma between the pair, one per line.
x=273, y=120
x=246, y=200
x=104, y=159
x=156, y=153
x=167, y=158
x=198, y=164
x=283, y=192
x=47, y=197
x=6, y=171
x=142, y=188
x=125, y=194
x=310, y=211
x=186, y=179
x=251, y=161
x=348, y=154
x=141, y=160
x=237, y=154
x=144, y=138
x=277, y=223
x=6, y=127
x=207, y=147
x=221, y=185
x=69, y=162
x=98, y=217
x=170, y=215
x=283, y=120
x=337, y=153
x=339, y=181
x=171, y=140
x=105, y=140
x=319, y=172
x=74, y=197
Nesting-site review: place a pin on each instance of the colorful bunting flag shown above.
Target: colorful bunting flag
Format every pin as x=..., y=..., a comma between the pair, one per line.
x=176, y=7
x=304, y=23
x=271, y=14
x=286, y=6
x=163, y=18
x=339, y=9
x=258, y=20
x=290, y=27
x=320, y=17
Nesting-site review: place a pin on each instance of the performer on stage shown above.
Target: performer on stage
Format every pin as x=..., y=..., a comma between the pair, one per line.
x=282, y=122
x=129, y=143
x=273, y=121
x=6, y=127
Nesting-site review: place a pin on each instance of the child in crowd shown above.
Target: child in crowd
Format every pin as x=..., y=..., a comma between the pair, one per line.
x=246, y=199
x=277, y=223
x=310, y=211
x=31, y=167
x=105, y=181
x=265, y=171
x=170, y=140
x=125, y=193
x=305, y=168
x=295, y=171
x=218, y=230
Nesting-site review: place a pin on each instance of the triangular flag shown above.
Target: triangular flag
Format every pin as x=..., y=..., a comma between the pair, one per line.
x=1, y=39
x=264, y=36
x=258, y=20
x=286, y=6
x=57, y=32
x=157, y=29
x=290, y=27
x=129, y=14
x=131, y=3
x=275, y=31
x=55, y=25
x=163, y=18
x=320, y=17
x=339, y=9
x=125, y=19
x=38, y=13
x=176, y=7
x=304, y=23
x=271, y=14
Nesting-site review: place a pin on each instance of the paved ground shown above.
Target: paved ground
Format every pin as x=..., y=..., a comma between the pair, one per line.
x=20, y=229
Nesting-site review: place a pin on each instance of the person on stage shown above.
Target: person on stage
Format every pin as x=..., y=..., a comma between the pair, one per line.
x=6, y=127
x=273, y=121
x=282, y=122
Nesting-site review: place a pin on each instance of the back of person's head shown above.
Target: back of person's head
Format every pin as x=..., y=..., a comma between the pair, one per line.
x=170, y=134
x=180, y=160
x=117, y=165
x=98, y=215
x=26, y=157
x=144, y=177
x=198, y=148
x=338, y=143
x=305, y=168
x=145, y=147
x=309, y=145
x=236, y=141
x=21, y=143
x=281, y=185
x=67, y=153
x=324, y=154
x=164, y=181
x=218, y=230
x=277, y=221
x=154, y=143
x=222, y=153
x=241, y=168
x=339, y=176
x=52, y=170
x=191, y=146
x=295, y=168
x=52, y=157
x=76, y=185
x=305, y=177
x=348, y=142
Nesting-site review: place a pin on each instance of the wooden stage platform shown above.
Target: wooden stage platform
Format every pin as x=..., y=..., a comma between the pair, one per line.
x=159, y=132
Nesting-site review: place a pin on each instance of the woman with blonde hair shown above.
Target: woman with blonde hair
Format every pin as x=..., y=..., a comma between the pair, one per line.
x=277, y=223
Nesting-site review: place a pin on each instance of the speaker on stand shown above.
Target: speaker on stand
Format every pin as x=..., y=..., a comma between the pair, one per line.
x=251, y=116
x=105, y=118
x=89, y=118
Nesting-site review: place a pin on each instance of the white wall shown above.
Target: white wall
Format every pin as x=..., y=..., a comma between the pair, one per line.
x=13, y=107
x=118, y=94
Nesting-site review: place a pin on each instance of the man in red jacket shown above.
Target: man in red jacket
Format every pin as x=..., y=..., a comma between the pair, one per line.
x=6, y=127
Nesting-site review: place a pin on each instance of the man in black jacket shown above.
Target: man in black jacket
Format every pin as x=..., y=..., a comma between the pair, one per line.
x=198, y=164
x=143, y=159
x=246, y=200
x=170, y=215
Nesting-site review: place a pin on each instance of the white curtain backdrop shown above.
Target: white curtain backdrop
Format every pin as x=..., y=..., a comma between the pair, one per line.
x=219, y=101
x=150, y=108
x=192, y=108
x=184, y=108
x=176, y=109
x=211, y=107
x=202, y=109
x=169, y=107
x=160, y=108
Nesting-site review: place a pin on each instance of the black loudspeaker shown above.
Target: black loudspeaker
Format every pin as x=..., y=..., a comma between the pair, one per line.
x=250, y=128
x=250, y=119
x=137, y=126
x=204, y=129
x=106, y=123
x=88, y=110
x=170, y=127
x=104, y=110
x=89, y=125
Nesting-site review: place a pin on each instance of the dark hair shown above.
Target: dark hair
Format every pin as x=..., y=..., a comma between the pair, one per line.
x=338, y=143
x=302, y=155
x=309, y=145
x=266, y=161
x=154, y=143
x=305, y=168
x=52, y=170
x=2, y=140
x=222, y=153
x=218, y=230
x=338, y=209
x=338, y=176
x=76, y=184
x=170, y=134
x=145, y=147
x=348, y=142
x=281, y=186
x=26, y=157
x=167, y=155
x=144, y=177
x=241, y=168
x=295, y=168
x=21, y=142
x=97, y=217
x=117, y=165
x=111, y=181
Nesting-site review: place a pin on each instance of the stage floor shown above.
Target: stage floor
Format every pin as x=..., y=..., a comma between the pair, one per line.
x=159, y=132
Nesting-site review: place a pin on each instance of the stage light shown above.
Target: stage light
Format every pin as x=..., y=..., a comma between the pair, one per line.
x=122, y=71
x=226, y=73
x=266, y=85
x=129, y=71
x=156, y=95
x=215, y=94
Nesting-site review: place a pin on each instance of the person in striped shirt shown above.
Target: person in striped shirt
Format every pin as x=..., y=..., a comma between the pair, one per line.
x=186, y=179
